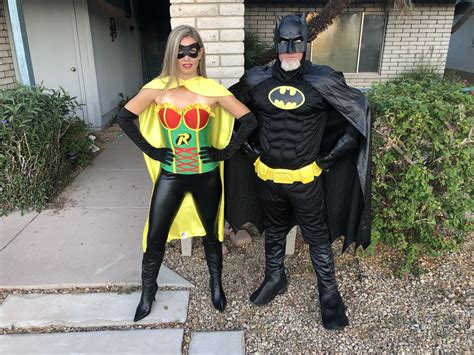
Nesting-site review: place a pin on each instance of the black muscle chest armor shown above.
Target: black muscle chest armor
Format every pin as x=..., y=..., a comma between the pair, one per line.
x=289, y=138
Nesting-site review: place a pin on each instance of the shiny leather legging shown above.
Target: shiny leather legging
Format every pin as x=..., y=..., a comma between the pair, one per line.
x=168, y=194
x=306, y=201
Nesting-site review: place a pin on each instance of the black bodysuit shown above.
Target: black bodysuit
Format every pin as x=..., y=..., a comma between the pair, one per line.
x=292, y=116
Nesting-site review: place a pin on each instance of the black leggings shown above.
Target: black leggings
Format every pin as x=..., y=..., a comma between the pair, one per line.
x=168, y=194
x=306, y=201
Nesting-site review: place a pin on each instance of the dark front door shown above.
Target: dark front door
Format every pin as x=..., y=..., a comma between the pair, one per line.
x=154, y=21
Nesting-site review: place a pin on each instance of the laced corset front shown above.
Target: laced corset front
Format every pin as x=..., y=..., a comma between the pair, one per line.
x=186, y=131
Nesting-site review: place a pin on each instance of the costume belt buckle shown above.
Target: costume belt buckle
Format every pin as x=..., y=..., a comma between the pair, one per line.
x=306, y=174
x=263, y=172
x=283, y=177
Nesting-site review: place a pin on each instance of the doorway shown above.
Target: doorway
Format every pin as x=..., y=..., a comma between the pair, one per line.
x=155, y=25
x=54, y=45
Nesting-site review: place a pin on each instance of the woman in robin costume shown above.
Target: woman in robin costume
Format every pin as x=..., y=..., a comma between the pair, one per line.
x=186, y=122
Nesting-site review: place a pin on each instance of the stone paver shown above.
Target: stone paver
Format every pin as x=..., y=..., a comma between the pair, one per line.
x=89, y=310
x=187, y=246
x=82, y=248
x=291, y=240
x=221, y=342
x=143, y=341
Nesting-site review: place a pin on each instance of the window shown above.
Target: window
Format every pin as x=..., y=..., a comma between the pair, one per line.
x=352, y=44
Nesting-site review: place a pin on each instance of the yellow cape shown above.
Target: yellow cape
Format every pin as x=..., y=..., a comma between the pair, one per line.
x=187, y=223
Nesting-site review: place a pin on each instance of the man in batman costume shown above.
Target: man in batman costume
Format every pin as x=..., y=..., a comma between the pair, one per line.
x=313, y=168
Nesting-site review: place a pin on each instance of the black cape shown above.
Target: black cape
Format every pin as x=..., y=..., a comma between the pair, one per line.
x=347, y=185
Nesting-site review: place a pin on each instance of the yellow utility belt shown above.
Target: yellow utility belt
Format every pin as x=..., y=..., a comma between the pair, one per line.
x=305, y=174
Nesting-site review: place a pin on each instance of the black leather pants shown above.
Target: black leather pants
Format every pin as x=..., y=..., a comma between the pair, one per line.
x=168, y=194
x=306, y=201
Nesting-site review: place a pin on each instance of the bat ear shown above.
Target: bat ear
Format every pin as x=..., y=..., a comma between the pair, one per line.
x=303, y=17
x=278, y=20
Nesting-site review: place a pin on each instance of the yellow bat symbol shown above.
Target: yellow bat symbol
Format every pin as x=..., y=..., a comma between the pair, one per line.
x=286, y=97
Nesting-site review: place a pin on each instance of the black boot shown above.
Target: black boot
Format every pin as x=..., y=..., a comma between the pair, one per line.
x=213, y=250
x=275, y=281
x=333, y=310
x=150, y=268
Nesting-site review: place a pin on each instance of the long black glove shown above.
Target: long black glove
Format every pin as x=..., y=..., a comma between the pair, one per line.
x=346, y=145
x=248, y=123
x=125, y=120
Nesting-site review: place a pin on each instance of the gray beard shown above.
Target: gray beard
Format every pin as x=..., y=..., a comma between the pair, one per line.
x=289, y=65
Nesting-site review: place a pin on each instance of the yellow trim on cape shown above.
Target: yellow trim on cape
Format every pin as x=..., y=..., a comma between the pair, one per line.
x=187, y=223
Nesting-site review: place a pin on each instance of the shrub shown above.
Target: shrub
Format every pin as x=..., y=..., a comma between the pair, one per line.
x=423, y=164
x=254, y=49
x=41, y=142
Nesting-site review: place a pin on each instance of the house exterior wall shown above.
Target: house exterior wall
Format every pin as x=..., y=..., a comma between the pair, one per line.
x=221, y=26
x=412, y=37
x=7, y=71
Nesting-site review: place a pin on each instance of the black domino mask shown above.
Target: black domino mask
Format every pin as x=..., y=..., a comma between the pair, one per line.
x=192, y=50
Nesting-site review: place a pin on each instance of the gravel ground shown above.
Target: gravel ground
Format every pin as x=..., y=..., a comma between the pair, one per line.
x=424, y=313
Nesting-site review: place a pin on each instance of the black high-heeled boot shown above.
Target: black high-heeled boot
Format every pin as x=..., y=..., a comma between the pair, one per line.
x=333, y=310
x=150, y=268
x=275, y=281
x=213, y=250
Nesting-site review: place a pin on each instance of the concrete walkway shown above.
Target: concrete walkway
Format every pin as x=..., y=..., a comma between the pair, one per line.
x=95, y=240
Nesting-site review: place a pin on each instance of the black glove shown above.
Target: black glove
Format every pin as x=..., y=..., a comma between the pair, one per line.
x=324, y=161
x=163, y=155
x=251, y=150
x=346, y=145
x=248, y=123
x=125, y=120
x=209, y=154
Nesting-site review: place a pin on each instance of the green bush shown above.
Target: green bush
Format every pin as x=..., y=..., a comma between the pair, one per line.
x=423, y=164
x=41, y=142
x=254, y=49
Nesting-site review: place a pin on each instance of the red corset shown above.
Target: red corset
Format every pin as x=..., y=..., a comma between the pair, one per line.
x=196, y=116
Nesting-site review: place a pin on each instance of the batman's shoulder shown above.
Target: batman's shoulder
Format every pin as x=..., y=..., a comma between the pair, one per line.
x=322, y=70
x=323, y=77
x=251, y=78
x=316, y=73
x=256, y=75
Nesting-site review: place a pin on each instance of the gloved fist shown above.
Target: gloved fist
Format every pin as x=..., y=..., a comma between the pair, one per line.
x=251, y=150
x=210, y=154
x=163, y=155
x=325, y=161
